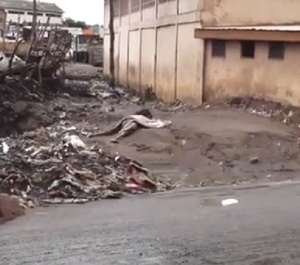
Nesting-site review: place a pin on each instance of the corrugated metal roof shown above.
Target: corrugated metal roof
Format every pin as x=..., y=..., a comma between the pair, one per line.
x=257, y=28
x=27, y=5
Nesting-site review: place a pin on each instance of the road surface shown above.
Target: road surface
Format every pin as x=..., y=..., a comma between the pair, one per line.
x=181, y=227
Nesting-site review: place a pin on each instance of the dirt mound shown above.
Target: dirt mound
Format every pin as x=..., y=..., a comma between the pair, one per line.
x=9, y=208
x=25, y=107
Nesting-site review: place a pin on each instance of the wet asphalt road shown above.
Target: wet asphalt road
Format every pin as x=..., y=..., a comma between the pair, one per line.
x=181, y=227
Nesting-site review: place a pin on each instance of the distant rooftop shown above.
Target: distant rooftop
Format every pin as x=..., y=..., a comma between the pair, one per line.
x=27, y=5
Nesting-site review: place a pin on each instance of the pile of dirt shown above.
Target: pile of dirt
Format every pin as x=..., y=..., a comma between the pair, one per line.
x=27, y=106
x=10, y=208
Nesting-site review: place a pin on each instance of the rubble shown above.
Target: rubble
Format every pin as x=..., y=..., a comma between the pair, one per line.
x=286, y=114
x=46, y=156
x=53, y=166
x=254, y=160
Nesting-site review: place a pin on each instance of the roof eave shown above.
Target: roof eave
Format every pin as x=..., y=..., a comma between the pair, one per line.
x=247, y=34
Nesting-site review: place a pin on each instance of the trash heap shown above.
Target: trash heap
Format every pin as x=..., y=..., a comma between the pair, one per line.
x=53, y=165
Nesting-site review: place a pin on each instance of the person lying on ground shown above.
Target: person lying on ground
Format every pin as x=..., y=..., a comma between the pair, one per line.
x=130, y=124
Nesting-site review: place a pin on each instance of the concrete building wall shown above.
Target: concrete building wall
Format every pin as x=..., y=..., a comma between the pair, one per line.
x=157, y=49
x=261, y=77
x=254, y=12
x=148, y=48
x=165, y=64
x=134, y=58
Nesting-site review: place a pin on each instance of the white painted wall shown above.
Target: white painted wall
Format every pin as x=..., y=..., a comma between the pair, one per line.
x=27, y=17
x=157, y=49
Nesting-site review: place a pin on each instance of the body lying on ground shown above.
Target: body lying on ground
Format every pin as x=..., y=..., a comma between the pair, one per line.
x=130, y=124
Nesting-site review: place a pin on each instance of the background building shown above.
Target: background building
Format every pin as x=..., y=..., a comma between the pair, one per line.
x=155, y=46
x=20, y=13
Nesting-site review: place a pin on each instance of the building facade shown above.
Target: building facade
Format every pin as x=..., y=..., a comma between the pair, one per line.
x=20, y=13
x=182, y=49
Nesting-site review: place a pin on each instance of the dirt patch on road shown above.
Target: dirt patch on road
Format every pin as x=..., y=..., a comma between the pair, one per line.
x=216, y=147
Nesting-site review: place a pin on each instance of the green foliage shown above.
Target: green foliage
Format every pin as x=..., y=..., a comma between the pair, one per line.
x=69, y=22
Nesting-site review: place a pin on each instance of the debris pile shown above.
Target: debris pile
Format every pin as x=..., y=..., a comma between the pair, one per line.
x=267, y=109
x=53, y=165
x=43, y=56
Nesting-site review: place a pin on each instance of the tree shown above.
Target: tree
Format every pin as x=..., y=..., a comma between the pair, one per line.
x=69, y=22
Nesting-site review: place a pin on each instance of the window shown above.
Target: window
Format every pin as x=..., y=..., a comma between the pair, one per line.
x=148, y=4
x=248, y=49
x=15, y=12
x=276, y=50
x=218, y=48
x=124, y=7
x=135, y=6
x=38, y=14
x=53, y=15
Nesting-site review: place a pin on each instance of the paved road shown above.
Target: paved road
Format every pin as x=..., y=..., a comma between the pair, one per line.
x=182, y=227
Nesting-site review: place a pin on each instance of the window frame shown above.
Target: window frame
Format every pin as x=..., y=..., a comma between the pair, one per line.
x=218, y=52
x=274, y=56
x=243, y=46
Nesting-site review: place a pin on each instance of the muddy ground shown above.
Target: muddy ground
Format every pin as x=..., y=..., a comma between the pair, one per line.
x=206, y=146
x=218, y=146
x=213, y=145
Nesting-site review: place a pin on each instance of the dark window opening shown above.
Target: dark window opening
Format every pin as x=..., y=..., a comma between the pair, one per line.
x=248, y=49
x=38, y=14
x=218, y=48
x=276, y=50
x=16, y=12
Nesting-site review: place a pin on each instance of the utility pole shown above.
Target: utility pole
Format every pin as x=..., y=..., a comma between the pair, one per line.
x=33, y=27
x=34, y=21
x=112, y=44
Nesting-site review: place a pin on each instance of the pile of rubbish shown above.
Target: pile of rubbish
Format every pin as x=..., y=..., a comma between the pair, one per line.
x=267, y=109
x=53, y=165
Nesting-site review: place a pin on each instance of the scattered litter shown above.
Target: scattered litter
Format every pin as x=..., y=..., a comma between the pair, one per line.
x=47, y=170
x=228, y=202
x=74, y=141
x=5, y=148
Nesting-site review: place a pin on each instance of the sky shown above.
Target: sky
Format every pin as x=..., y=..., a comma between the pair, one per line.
x=90, y=11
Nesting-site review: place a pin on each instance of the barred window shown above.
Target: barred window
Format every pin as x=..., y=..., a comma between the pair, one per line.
x=165, y=1
x=124, y=7
x=116, y=8
x=276, y=50
x=135, y=6
x=148, y=4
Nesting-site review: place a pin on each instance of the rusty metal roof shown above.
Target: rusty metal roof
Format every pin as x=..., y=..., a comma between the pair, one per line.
x=288, y=33
x=27, y=5
x=257, y=28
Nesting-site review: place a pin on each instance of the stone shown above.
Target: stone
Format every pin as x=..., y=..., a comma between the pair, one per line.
x=10, y=207
x=254, y=160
